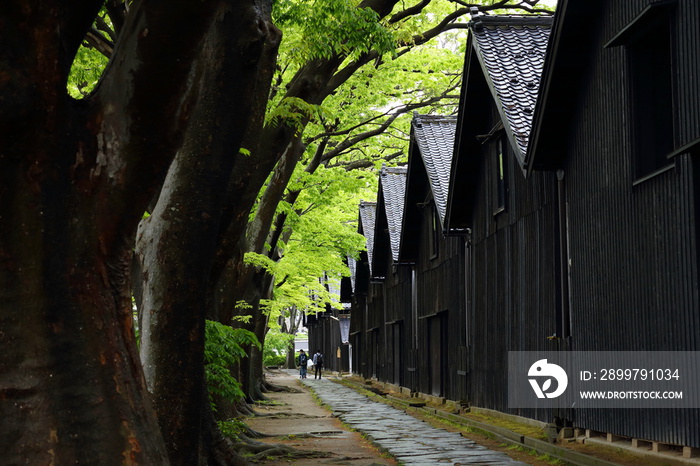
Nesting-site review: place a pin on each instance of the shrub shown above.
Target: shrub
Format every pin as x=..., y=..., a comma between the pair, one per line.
x=223, y=348
x=275, y=349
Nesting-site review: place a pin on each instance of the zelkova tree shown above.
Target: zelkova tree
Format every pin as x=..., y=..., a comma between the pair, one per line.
x=75, y=179
x=177, y=242
x=337, y=40
x=182, y=124
x=376, y=36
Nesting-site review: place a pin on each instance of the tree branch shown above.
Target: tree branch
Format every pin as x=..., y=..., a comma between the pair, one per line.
x=156, y=87
x=367, y=163
x=116, y=9
x=392, y=115
x=348, y=130
x=104, y=27
x=99, y=42
x=414, y=10
x=526, y=5
x=420, y=39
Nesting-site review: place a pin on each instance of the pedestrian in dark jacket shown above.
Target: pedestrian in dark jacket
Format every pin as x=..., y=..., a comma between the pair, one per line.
x=318, y=364
x=302, y=361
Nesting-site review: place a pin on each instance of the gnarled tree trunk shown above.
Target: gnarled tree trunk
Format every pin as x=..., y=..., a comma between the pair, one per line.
x=75, y=178
x=176, y=244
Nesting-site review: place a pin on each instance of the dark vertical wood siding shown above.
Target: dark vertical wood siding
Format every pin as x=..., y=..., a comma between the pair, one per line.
x=440, y=292
x=515, y=281
x=634, y=277
x=359, y=317
x=633, y=253
x=376, y=363
x=397, y=285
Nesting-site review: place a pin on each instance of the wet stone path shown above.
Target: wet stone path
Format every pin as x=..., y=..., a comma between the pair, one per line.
x=409, y=440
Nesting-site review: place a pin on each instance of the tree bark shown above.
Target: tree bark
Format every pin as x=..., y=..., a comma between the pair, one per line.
x=74, y=180
x=240, y=281
x=294, y=321
x=177, y=242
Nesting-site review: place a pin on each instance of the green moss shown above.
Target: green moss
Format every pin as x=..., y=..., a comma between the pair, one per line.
x=522, y=429
x=269, y=403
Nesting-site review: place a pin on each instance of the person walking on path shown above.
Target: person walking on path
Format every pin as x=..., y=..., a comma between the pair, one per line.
x=301, y=361
x=318, y=364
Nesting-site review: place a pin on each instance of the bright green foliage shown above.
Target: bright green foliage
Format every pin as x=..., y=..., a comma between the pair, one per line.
x=222, y=349
x=323, y=223
x=232, y=428
x=412, y=78
x=413, y=28
x=86, y=71
x=294, y=111
x=373, y=94
x=323, y=28
x=89, y=63
x=276, y=345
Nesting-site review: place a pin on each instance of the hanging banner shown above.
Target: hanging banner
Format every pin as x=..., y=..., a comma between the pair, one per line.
x=344, y=320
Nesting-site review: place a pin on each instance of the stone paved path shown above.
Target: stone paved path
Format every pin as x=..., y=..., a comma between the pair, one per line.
x=410, y=440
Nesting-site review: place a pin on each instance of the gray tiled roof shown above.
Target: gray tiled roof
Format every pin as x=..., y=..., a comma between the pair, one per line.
x=352, y=265
x=393, y=185
x=511, y=50
x=435, y=136
x=368, y=214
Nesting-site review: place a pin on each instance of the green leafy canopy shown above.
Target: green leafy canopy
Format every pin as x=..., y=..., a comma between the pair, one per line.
x=86, y=71
x=224, y=347
x=324, y=28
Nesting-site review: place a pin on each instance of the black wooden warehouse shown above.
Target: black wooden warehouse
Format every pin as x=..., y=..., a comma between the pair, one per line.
x=512, y=258
x=564, y=217
x=619, y=118
x=435, y=260
x=394, y=280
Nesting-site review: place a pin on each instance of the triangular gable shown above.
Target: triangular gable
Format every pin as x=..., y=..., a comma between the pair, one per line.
x=392, y=183
x=466, y=159
x=435, y=136
x=429, y=161
x=368, y=215
x=352, y=266
x=498, y=71
x=347, y=284
x=387, y=229
x=566, y=59
x=511, y=51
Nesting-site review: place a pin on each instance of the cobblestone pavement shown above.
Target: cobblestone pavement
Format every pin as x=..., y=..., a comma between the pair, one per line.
x=410, y=440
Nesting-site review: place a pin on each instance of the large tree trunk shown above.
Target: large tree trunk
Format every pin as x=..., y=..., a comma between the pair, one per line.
x=74, y=180
x=249, y=283
x=252, y=366
x=294, y=319
x=177, y=242
x=279, y=143
x=256, y=356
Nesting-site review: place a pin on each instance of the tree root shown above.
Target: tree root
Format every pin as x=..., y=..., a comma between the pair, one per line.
x=224, y=452
x=268, y=387
x=244, y=409
x=256, y=451
x=250, y=433
x=259, y=396
x=288, y=453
